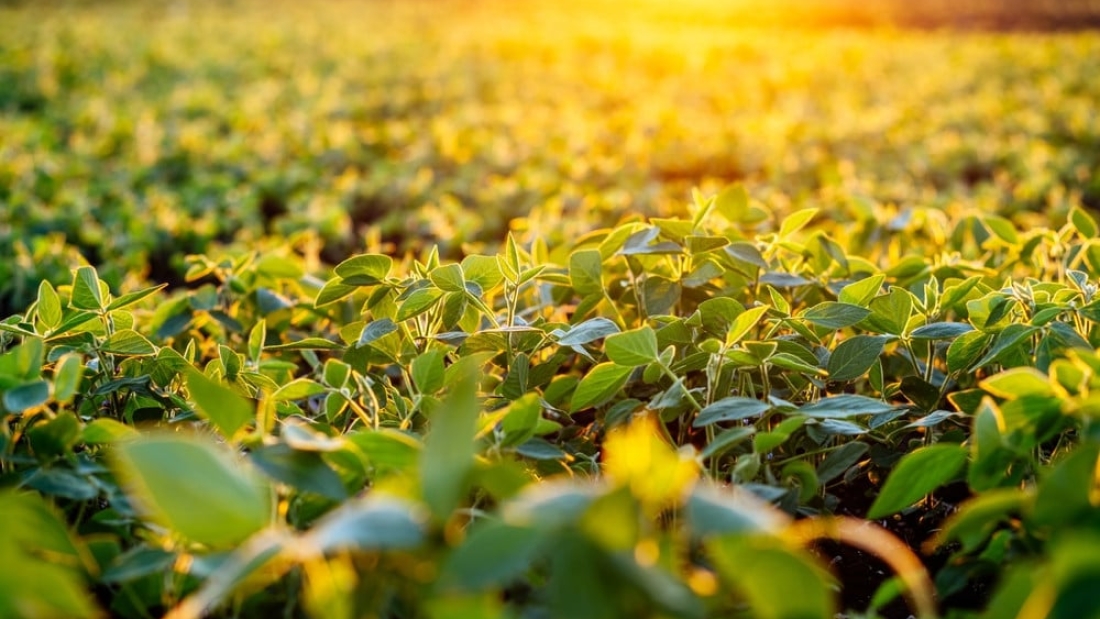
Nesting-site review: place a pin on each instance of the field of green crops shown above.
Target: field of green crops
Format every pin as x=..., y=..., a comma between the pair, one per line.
x=548, y=310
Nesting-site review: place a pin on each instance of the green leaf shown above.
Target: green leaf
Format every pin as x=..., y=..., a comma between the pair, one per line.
x=834, y=315
x=305, y=470
x=427, y=371
x=733, y=203
x=41, y=571
x=87, y=294
x=375, y=330
x=483, y=271
x=599, y=385
x=917, y=474
x=965, y=350
x=49, y=305
x=844, y=406
x=744, y=323
x=127, y=300
x=334, y=290
x=298, y=389
x=854, y=356
x=712, y=511
x=492, y=556
x=309, y=343
x=448, y=457
x=632, y=348
x=376, y=522
x=977, y=519
x=1013, y=335
x=26, y=396
x=55, y=437
x=726, y=440
x=840, y=460
x=1083, y=222
x=730, y=409
x=364, y=270
x=586, y=272
x=418, y=302
x=104, y=431
x=130, y=343
x=890, y=312
x=783, y=583
x=193, y=487
x=1018, y=383
x=941, y=331
x=588, y=331
x=861, y=292
x=796, y=221
x=219, y=404
x=449, y=278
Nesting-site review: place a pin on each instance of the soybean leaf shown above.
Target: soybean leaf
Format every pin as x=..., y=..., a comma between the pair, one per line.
x=744, y=322
x=588, y=331
x=854, y=356
x=840, y=460
x=835, y=315
x=298, y=389
x=726, y=440
x=632, y=348
x=448, y=457
x=917, y=474
x=128, y=342
x=599, y=385
x=49, y=305
x=26, y=396
x=86, y=295
x=217, y=502
x=364, y=270
x=585, y=271
x=127, y=300
x=375, y=330
x=374, y=523
x=861, y=292
x=304, y=470
x=844, y=406
x=941, y=331
x=449, y=278
x=220, y=405
x=803, y=591
x=492, y=555
x=730, y=409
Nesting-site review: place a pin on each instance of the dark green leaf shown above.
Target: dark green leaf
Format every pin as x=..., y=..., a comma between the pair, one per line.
x=729, y=409
x=854, y=356
x=588, y=331
x=844, y=406
x=941, y=331
x=304, y=470
x=26, y=396
x=492, y=555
